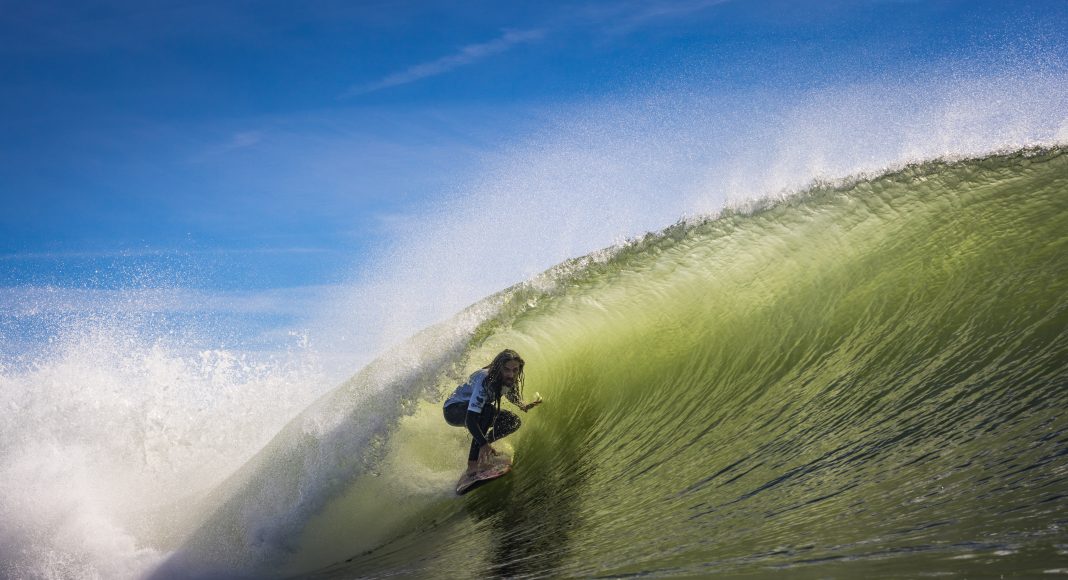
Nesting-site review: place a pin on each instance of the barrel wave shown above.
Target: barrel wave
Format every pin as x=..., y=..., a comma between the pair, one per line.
x=866, y=379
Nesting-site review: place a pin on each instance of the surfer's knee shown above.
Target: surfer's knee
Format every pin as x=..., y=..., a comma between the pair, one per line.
x=510, y=423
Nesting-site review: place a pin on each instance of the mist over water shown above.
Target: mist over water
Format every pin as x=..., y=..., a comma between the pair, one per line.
x=117, y=437
x=599, y=174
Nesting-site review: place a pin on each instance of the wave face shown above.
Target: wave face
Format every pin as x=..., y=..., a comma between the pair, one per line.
x=867, y=379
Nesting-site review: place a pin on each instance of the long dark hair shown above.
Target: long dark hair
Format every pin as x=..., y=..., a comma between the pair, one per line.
x=493, y=379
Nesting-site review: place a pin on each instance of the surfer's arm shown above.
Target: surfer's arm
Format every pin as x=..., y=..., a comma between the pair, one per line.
x=513, y=396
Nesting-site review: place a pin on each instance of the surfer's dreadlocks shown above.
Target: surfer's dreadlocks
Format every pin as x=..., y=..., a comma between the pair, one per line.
x=494, y=377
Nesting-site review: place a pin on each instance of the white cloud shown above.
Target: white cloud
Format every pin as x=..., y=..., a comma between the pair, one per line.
x=467, y=55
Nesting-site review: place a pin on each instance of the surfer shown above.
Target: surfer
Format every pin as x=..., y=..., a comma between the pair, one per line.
x=476, y=405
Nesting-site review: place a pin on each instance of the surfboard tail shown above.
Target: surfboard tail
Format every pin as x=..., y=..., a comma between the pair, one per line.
x=481, y=478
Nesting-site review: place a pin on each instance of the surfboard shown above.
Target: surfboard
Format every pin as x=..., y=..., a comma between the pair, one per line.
x=483, y=477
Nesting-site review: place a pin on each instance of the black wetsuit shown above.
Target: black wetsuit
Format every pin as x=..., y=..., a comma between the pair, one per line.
x=486, y=425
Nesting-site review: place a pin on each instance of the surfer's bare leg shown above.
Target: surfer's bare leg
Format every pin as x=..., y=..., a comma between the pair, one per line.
x=480, y=461
x=486, y=455
x=483, y=460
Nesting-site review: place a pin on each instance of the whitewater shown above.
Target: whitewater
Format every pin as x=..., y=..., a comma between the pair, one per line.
x=841, y=350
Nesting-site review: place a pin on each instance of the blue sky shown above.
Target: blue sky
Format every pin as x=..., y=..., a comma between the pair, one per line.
x=256, y=146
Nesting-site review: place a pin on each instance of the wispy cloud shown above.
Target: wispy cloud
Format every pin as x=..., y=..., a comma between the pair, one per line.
x=614, y=19
x=234, y=142
x=624, y=17
x=467, y=55
x=244, y=139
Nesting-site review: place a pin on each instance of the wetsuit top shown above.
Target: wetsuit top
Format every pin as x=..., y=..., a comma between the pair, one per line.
x=474, y=392
x=477, y=394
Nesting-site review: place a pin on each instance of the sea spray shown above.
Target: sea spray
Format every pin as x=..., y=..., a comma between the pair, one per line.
x=109, y=432
x=600, y=173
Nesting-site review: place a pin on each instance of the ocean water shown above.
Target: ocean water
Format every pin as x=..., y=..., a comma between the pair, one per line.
x=866, y=379
x=853, y=365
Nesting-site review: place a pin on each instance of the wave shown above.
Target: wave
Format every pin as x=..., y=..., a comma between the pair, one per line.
x=868, y=377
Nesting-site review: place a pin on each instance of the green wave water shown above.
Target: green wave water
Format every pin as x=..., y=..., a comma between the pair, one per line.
x=869, y=379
